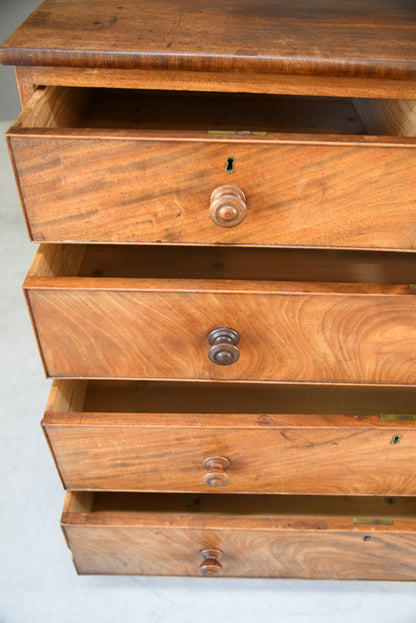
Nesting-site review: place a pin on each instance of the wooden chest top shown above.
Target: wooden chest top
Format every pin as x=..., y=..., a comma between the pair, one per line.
x=317, y=37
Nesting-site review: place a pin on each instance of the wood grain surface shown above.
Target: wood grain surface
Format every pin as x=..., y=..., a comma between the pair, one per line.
x=289, y=331
x=297, y=195
x=175, y=552
x=150, y=176
x=349, y=38
x=279, y=537
x=279, y=453
x=226, y=82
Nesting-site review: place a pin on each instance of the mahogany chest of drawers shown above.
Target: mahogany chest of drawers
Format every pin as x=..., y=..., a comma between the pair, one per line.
x=225, y=288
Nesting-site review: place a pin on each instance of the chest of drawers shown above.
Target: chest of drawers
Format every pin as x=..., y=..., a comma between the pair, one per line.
x=224, y=291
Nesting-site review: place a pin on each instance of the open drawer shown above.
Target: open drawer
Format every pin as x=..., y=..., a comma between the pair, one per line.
x=145, y=166
x=234, y=437
x=242, y=535
x=123, y=311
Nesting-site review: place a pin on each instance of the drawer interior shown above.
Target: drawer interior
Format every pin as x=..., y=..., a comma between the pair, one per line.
x=357, y=508
x=221, y=262
x=136, y=397
x=235, y=113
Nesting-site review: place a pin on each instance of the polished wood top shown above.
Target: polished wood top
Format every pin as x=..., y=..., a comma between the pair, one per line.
x=347, y=38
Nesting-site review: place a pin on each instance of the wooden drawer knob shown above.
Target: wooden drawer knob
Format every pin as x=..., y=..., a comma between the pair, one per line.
x=210, y=565
x=228, y=206
x=216, y=475
x=224, y=350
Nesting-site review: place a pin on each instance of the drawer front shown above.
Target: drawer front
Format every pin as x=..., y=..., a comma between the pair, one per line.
x=124, y=166
x=128, y=190
x=233, y=452
x=161, y=329
x=245, y=553
x=267, y=545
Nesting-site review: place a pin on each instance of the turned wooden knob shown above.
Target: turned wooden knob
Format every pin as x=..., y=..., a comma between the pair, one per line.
x=224, y=350
x=210, y=565
x=228, y=206
x=216, y=476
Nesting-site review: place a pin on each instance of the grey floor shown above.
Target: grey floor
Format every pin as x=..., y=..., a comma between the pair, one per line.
x=38, y=583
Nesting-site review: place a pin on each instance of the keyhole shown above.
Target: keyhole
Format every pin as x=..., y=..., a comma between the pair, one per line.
x=229, y=165
x=395, y=440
